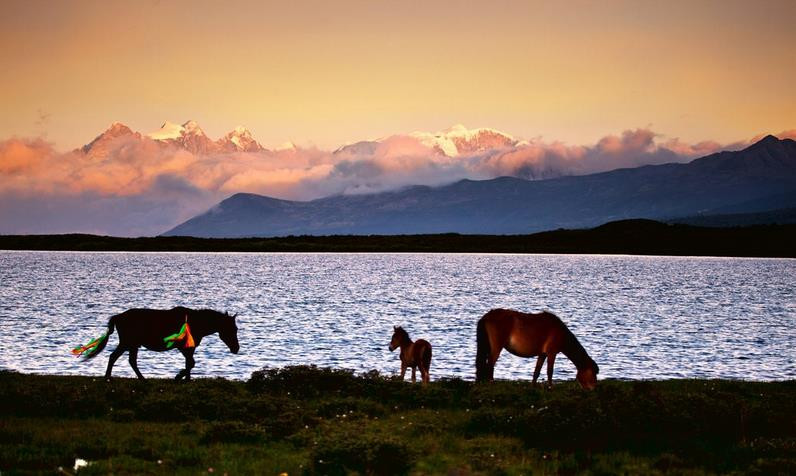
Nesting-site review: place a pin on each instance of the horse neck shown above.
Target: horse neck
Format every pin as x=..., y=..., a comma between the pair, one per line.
x=406, y=342
x=200, y=323
x=575, y=352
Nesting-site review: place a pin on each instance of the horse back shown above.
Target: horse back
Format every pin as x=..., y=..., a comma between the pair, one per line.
x=525, y=334
x=417, y=352
x=148, y=327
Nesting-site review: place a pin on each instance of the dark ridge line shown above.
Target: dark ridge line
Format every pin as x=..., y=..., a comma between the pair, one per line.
x=634, y=237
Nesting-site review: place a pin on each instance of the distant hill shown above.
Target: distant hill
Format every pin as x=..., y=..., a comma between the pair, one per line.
x=784, y=216
x=640, y=237
x=756, y=179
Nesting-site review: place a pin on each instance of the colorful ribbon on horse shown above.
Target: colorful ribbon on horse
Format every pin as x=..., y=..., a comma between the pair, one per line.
x=90, y=348
x=183, y=334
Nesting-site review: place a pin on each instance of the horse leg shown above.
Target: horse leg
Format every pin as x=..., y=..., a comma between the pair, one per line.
x=414, y=368
x=538, y=370
x=424, y=376
x=496, y=350
x=189, y=364
x=403, y=371
x=551, y=360
x=112, y=360
x=425, y=366
x=132, y=357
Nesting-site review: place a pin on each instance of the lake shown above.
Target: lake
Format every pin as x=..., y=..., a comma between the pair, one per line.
x=639, y=317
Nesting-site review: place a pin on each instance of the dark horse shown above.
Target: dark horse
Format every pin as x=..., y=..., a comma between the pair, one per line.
x=528, y=335
x=413, y=354
x=160, y=330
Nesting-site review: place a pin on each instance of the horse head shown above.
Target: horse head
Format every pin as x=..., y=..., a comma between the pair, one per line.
x=398, y=336
x=228, y=332
x=587, y=375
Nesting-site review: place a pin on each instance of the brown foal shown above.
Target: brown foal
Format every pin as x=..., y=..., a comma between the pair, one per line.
x=413, y=354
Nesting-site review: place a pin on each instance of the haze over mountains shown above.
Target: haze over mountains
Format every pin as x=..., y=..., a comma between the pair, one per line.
x=760, y=178
x=129, y=183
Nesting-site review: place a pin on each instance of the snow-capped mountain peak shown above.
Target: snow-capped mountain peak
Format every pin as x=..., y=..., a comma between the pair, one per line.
x=239, y=139
x=188, y=136
x=285, y=146
x=459, y=140
x=168, y=130
x=103, y=142
x=191, y=127
x=117, y=128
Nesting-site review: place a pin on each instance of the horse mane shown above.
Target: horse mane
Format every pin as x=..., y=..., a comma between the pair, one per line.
x=402, y=332
x=204, y=311
x=214, y=312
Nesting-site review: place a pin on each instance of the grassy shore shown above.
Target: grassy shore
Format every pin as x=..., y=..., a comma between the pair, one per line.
x=642, y=237
x=322, y=421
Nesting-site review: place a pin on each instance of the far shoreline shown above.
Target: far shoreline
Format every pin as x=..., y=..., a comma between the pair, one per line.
x=627, y=237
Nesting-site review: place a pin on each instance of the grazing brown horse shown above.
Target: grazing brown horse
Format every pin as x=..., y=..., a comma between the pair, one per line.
x=541, y=334
x=413, y=354
x=161, y=330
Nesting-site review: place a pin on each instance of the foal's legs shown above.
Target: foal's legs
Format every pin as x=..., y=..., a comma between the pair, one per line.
x=112, y=360
x=189, y=364
x=539, y=363
x=551, y=360
x=424, y=375
x=132, y=357
x=403, y=371
x=414, y=368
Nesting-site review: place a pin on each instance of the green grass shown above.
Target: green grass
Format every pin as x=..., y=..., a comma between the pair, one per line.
x=306, y=420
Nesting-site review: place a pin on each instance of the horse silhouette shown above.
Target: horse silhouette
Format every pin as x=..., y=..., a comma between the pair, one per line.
x=413, y=354
x=541, y=334
x=162, y=330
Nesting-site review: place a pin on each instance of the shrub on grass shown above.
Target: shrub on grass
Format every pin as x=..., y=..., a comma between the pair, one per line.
x=302, y=381
x=353, y=407
x=343, y=453
x=232, y=432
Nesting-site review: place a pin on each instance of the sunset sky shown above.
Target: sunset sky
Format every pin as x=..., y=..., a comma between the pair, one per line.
x=330, y=72
x=582, y=87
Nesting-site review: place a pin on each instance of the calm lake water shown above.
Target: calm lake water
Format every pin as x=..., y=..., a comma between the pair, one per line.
x=639, y=317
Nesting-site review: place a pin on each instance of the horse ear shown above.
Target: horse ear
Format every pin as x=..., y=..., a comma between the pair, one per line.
x=395, y=328
x=235, y=315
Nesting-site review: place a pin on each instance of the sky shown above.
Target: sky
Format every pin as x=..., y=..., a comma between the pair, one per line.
x=588, y=86
x=327, y=73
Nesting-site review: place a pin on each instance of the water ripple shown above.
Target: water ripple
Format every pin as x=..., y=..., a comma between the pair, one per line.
x=639, y=317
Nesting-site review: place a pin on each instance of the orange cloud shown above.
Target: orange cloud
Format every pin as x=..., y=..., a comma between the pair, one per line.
x=151, y=187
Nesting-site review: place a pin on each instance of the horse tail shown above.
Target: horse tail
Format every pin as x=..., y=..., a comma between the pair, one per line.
x=93, y=348
x=482, y=352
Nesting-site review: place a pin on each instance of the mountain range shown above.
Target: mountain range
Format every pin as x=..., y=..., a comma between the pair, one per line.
x=759, y=178
x=188, y=136
x=452, y=142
